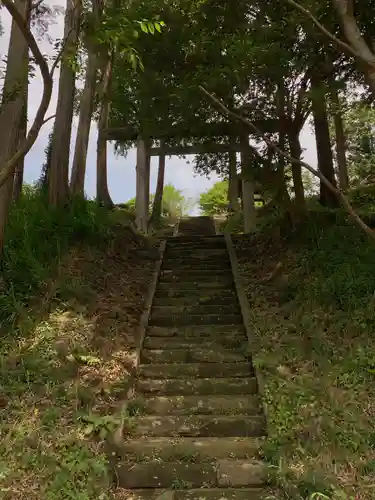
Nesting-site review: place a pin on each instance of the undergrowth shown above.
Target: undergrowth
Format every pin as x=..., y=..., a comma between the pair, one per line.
x=71, y=298
x=36, y=238
x=314, y=328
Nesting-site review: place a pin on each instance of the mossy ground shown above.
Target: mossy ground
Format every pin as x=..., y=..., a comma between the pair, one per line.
x=314, y=332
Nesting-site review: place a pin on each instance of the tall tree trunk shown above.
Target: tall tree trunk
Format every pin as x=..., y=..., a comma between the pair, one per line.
x=323, y=143
x=233, y=193
x=58, y=188
x=299, y=191
x=282, y=196
x=18, y=173
x=340, y=141
x=158, y=200
x=248, y=201
x=141, y=205
x=12, y=107
x=77, y=181
x=102, y=192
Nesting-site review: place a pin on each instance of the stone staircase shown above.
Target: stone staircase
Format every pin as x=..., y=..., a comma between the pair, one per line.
x=199, y=423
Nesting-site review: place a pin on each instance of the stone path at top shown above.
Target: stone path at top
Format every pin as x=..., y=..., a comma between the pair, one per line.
x=200, y=423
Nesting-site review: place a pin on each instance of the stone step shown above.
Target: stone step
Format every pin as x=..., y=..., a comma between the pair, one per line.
x=196, y=253
x=202, y=275
x=197, y=355
x=194, y=292
x=201, y=310
x=194, y=494
x=198, y=387
x=187, y=343
x=198, y=426
x=197, y=370
x=190, y=449
x=196, y=259
x=191, y=299
x=192, y=265
x=203, y=287
x=222, y=473
x=199, y=331
x=196, y=319
x=210, y=242
x=198, y=405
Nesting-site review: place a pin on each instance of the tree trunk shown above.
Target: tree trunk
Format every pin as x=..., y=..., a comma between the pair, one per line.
x=12, y=108
x=141, y=206
x=58, y=189
x=248, y=201
x=366, y=56
x=102, y=193
x=18, y=173
x=77, y=182
x=299, y=192
x=158, y=200
x=340, y=141
x=233, y=193
x=323, y=143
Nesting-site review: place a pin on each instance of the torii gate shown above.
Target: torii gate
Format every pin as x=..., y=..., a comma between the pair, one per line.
x=237, y=141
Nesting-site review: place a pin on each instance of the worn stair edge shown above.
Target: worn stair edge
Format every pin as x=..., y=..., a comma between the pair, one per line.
x=194, y=355
x=222, y=473
x=189, y=449
x=195, y=494
x=198, y=405
x=246, y=316
x=196, y=370
x=201, y=386
x=195, y=300
x=226, y=341
x=200, y=331
x=196, y=309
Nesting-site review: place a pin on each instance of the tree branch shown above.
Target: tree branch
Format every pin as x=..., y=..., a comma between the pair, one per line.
x=330, y=35
x=344, y=200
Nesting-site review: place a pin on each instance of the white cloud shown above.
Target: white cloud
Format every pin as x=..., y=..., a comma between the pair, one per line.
x=121, y=171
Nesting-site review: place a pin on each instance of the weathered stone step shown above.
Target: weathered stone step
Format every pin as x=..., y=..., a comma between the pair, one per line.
x=197, y=370
x=196, y=259
x=196, y=319
x=203, y=275
x=200, y=331
x=222, y=473
x=199, y=426
x=194, y=292
x=227, y=341
x=195, y=494
x=189, y=300
x=190, y=449
x=201, y=310
x=200, y=386
x=202, y=287
x=195, y=253
x=210, y=242
x=199, y=405
x=192, y=265
x=196, y=355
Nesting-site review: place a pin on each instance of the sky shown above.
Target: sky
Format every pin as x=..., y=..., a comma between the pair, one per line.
x=121, y=171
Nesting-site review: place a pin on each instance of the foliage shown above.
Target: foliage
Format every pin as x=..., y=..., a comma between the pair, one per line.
x=215, y=200
x=36, y=238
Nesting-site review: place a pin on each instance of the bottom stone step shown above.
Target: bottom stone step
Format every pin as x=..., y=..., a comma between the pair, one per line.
x=222, y=473
x=195, y=494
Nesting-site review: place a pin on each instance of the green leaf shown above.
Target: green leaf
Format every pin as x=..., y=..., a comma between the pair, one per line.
x=151, y=28
x=158, y=27
x=144, y=27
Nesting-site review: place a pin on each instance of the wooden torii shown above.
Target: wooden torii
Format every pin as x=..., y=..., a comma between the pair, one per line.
x=237, y=140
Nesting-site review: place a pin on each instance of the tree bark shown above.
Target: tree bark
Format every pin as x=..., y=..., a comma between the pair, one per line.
x=323, y=143
x=248, y=201
x=19, y=171
x=77, y=182
x=354, y=36
x=340, y=141
x=58, y=189
x=141, y=205
x=12, y=107
x=158, y=200
x=233, y=193
x=102, y=192
x=299, y=191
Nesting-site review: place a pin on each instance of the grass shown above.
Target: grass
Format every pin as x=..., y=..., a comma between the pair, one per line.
x=72, y=296
x=314, y=328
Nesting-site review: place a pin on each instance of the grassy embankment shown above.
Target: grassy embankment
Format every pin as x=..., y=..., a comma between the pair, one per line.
x=72, y=290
